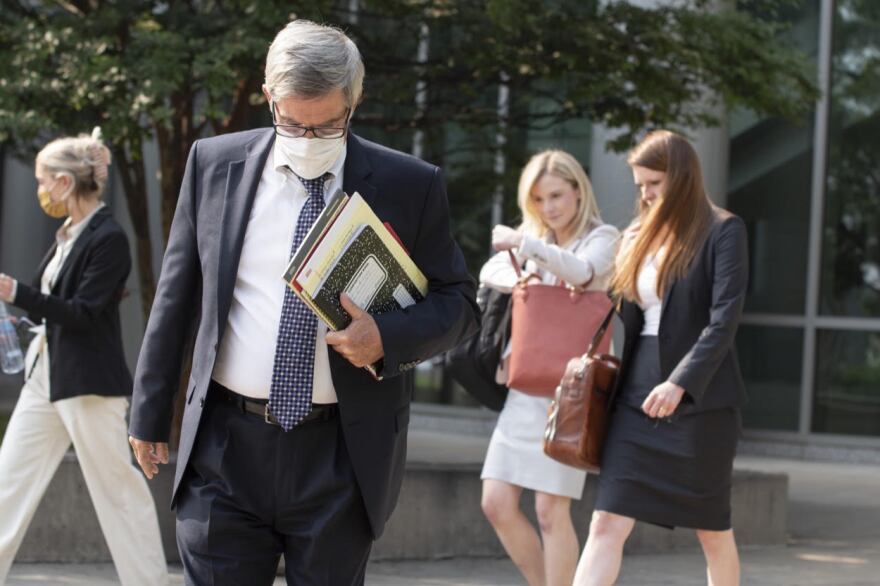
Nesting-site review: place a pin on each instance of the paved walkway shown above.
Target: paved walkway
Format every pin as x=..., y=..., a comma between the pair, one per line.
x=833, y=520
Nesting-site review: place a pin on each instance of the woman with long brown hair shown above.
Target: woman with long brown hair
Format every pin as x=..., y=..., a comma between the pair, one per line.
x=681, y=274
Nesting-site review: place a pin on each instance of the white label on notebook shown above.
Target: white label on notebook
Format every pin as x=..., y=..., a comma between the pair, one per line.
x=402, y=296
x=366, y=282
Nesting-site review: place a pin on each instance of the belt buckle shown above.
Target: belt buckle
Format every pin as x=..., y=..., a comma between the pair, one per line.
x=268, y=417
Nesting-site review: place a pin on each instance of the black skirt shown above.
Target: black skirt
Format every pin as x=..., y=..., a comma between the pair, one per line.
x=672, y=472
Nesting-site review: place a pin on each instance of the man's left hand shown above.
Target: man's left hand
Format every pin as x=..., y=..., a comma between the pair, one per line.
x=360, y=343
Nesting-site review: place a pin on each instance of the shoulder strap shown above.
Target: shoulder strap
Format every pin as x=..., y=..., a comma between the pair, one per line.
x=600, y=333
x=515, y=264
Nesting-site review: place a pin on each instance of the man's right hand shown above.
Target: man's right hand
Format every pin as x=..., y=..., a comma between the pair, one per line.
x=149, y=455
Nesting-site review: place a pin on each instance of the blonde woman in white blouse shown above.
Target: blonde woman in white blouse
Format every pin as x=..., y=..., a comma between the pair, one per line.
x=561, y=238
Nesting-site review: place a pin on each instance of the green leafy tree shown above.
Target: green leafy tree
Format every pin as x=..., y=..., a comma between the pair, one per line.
x=141, y=69
x=176, y=70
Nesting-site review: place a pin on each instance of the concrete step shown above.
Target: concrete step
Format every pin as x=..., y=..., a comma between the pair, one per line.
x=438, y=514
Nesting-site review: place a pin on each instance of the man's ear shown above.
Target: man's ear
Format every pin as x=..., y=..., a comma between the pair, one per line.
x=267, y=95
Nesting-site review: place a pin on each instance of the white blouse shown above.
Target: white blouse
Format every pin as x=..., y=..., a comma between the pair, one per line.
x=650, y=303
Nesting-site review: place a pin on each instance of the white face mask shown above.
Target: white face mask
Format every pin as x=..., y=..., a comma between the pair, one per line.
x=310, y=157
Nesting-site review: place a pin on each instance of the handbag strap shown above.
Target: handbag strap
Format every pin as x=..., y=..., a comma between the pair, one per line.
x=515, y=264
x=600, y=333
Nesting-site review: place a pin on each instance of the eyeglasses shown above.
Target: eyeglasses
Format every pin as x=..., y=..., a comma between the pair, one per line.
x=298, y=131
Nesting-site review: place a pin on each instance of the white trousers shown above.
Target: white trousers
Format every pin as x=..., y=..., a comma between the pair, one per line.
x=38, y=435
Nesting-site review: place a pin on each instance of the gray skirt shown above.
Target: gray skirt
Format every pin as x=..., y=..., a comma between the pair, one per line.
x=672, y=472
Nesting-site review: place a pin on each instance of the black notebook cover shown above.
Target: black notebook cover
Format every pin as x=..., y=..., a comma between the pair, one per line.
x=371, y=276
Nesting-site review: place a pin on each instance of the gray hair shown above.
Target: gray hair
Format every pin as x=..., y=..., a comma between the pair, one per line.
x=310, y=60
x=85, y=159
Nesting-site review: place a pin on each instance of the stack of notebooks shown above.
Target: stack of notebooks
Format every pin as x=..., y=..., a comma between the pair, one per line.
x=349, y=250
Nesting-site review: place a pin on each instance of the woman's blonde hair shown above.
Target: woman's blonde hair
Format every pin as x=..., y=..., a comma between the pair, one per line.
x=678, y=220
x=559, y=164
x=84, y=158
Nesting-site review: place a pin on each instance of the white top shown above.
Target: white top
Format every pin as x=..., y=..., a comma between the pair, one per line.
x=650, y=303
x=247, y=353
x=590, y=256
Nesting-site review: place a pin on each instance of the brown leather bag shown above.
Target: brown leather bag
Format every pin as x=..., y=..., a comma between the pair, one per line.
x=577, y=421
x=549, y=325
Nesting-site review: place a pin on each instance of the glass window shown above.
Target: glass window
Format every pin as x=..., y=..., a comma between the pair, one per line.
x=770, y=171
x=770, y=359
x=851, y=237
x=847, y=395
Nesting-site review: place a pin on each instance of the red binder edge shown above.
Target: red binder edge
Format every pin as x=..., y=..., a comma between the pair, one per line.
x=396, y=237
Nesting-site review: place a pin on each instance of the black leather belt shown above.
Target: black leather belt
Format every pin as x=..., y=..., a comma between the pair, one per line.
x=260, y=407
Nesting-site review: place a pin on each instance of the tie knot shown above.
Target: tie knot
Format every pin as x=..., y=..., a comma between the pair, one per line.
x=315, y=187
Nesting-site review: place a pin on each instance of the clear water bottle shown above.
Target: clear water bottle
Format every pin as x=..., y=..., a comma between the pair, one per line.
x=11, y=358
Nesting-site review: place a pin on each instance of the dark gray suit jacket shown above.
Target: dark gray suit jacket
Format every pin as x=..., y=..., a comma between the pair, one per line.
x=700, y=314
x=198, y=276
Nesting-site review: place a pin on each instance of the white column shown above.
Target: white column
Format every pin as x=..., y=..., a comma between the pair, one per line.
x=500, y=160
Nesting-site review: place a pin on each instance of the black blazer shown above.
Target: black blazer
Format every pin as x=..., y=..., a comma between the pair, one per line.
x=198, y=276
x=82, y=313
x=700, y=314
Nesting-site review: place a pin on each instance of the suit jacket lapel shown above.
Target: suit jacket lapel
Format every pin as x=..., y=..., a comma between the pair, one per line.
x=667, y=296
x=242, y=181
x=357, y=170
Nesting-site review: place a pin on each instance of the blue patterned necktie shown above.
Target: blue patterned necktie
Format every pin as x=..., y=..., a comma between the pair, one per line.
x=290, y=395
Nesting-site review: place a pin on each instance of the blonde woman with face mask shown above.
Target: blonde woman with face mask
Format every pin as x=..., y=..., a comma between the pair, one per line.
x=561, y=238
x=76, y=379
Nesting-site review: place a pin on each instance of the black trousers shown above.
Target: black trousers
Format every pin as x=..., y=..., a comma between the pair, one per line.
x=252, y=493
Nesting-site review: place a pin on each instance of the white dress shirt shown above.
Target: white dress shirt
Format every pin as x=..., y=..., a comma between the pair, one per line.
x=247, y=353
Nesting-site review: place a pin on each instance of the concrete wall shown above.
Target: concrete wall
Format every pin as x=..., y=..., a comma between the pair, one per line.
x=438, y=516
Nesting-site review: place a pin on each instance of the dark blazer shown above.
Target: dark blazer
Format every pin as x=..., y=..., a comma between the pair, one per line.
x=698, y=322
x=198, y=275
x=82, y=313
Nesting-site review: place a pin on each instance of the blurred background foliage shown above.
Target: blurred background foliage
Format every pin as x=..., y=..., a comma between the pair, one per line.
x=161, y=74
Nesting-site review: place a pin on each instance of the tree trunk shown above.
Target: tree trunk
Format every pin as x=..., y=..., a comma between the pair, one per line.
x=175, y=139
x=131, y=170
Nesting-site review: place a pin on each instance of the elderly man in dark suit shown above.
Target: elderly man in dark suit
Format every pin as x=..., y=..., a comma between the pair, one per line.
x=288, y=446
